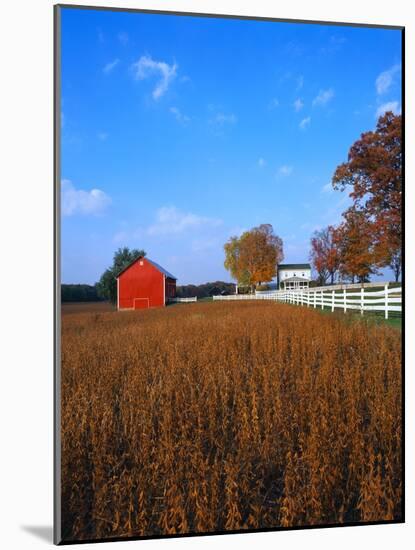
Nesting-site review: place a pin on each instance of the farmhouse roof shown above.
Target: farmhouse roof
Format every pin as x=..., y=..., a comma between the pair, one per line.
x=156, y=265
x=293, y=266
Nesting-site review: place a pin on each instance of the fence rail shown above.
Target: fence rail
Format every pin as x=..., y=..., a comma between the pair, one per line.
x=192, y=299
x=385, y=300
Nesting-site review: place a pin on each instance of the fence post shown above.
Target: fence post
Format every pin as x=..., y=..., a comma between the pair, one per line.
x=362, y=298
x=344, y=301
x=386, y=301
x=332, y=301
x=322, y=301
x=315, y=299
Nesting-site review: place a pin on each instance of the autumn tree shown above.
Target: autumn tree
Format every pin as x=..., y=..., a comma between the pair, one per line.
x=233, y=263
x=324, y=254
x=353, y=239
x=373, y=172
x=253, y=257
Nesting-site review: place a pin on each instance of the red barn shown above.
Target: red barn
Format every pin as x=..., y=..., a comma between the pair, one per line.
x=144, y=284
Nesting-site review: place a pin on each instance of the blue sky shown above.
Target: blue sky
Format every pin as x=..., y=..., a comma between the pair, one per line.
x=178, y=132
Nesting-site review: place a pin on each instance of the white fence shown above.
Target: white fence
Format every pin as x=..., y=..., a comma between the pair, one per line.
x=193, y=299
x=344, y=298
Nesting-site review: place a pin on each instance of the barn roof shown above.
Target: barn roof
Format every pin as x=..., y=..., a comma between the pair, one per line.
x=156, y=265
x=294, y=266
x=166, y=273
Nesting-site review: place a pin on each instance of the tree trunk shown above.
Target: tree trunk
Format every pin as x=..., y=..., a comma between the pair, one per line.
x=397, y=271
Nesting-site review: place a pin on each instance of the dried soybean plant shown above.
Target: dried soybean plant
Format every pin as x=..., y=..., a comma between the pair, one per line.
x=227, y=416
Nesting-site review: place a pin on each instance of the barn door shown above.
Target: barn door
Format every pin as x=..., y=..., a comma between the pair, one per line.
x=141, y=303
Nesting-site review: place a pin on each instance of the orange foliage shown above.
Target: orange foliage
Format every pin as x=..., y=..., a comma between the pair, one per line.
x=373, y=171
x=253, y=257
x=325, y=253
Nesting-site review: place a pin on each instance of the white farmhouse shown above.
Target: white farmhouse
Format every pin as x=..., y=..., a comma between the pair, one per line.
x=294, y=276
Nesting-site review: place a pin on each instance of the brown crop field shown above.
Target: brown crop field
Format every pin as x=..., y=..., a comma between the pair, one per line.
x=227, y=416
x=69, y=308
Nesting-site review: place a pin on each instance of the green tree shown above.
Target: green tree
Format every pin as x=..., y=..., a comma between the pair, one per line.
x=107, y=285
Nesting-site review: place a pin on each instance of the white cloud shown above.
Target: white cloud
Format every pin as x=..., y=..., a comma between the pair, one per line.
x=261, y=162
x=109, y=67
x=389, y=106
x=285, y=170
x=305, y=122
x=328, y=188
x=180, y=117
x=298, y=105
x=385, y=79
x=323, y=97
x=170, y=220
x=78, y=201
x=300, y=83
x=333, y=45
x=220, y=122
x=123, y=38
x=221, y=119
x=103, y=136
x=146, y=67
x=274, y=103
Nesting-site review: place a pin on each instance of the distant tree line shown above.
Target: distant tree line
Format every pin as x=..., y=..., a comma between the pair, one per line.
x=205, y=290
x=370, y=236
x=79, y=293
x=106, y=287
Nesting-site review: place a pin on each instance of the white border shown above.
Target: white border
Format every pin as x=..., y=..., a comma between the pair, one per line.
x=118, y=294
x=27, y=253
